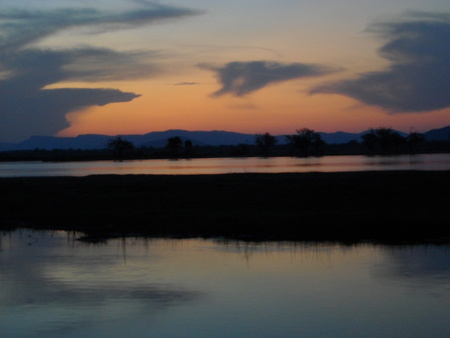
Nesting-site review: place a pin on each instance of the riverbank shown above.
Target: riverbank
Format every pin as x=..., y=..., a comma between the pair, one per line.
x=384, y=206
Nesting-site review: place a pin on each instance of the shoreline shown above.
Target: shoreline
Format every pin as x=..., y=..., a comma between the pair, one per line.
x=376, y=206
x=54, y=156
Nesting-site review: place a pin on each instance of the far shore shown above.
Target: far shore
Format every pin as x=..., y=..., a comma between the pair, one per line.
x=352, y=207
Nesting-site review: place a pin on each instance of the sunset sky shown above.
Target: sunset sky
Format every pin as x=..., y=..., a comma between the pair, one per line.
x=135, y=66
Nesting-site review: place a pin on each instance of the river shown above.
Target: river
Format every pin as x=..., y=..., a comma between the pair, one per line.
x=228, y=165
x=53, y=285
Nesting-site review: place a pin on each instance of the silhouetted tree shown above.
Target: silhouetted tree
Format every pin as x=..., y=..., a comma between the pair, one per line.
x=174, y=144
x=305, y=139
x=413, y=140
x=120, y=146
x=370, y=140
x=265, y=142
x=388, y=139
x=318, y=143
x=188, y=146
x=396, y=141
x=382, y=140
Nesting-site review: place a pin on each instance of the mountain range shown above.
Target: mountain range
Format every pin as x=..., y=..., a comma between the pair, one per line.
x=158, y=139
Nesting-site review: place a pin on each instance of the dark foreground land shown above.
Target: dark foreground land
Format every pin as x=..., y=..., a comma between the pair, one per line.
x=394, y=207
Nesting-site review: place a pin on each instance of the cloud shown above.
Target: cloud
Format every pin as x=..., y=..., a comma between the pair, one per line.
x=27, y=106
x=186, y=84
x=38, y=67
x=417, y=79
x=21, y=27
x=42, y=112
x=241, y=78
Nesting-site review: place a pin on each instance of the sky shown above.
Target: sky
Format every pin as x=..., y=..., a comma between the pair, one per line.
x=134, y=66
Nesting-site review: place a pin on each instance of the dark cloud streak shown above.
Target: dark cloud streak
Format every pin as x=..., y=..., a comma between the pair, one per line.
x=186, y=84
x=242, y=78
x=22, y=27
x=418, y=47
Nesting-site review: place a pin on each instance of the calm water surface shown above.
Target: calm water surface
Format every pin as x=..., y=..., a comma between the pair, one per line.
x=228, y=165
x=54, y=286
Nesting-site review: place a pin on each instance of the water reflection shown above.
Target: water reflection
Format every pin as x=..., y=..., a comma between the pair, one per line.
x=54, y=285
x=420, y=264
x=228, y=165
x=50, y=287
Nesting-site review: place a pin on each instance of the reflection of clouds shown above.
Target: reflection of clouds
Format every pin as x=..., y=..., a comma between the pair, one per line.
x=418, y=264
x=39, y=291
x=56, y=290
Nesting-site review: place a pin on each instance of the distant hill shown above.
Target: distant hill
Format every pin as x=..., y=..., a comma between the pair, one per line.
x=158, y=139
x=212, y=138
x=154, y=139
x=442, y=134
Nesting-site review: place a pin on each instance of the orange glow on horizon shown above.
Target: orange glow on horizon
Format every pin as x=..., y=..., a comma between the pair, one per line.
x=278, y=109
x=176, y=56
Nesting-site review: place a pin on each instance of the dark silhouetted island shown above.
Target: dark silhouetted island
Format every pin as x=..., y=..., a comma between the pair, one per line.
x=384, y=206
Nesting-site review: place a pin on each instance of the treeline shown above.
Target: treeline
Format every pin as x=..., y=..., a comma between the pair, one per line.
x=379, y=141
x=305, y=142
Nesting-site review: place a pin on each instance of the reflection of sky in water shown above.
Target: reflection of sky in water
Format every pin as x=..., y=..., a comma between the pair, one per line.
x=57, y=289
x=54, y=286
x=418, y=266
x=229, y=165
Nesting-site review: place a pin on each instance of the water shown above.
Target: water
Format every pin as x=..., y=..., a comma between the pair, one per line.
x=228, y=165
x=54, y=286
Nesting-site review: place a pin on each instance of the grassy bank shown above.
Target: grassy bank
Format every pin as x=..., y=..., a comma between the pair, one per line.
x=395, y=206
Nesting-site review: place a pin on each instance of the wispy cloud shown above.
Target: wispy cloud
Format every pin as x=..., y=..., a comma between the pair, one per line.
x=21, y=27
x=242, y=78
x=417, y=79
x=186, y=84
x=28, y=108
